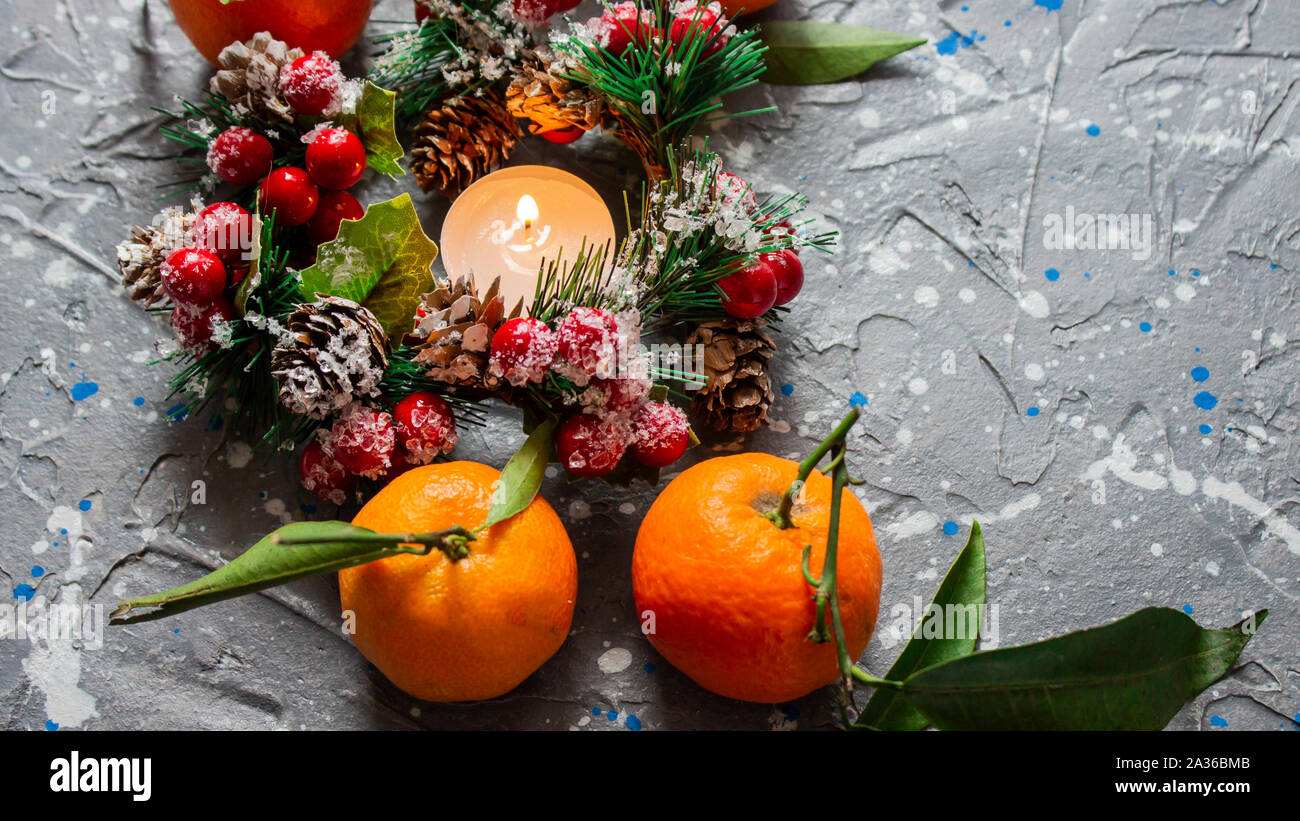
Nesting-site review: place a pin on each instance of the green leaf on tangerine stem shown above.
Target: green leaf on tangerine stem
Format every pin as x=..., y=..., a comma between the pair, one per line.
x=523, y=474
x=809, y=53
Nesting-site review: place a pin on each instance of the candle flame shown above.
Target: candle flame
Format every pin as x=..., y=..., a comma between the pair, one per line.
x=527, y=210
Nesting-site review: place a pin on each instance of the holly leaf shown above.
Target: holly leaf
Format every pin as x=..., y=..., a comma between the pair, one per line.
x=320, y=547
x=381, y=261
x=1132, y=674
x=808, y=53
x=961, y=588
x=374, y=122
x=523, y=474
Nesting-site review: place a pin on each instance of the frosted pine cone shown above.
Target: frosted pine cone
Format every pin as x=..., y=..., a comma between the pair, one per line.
x=250, y=75
x=737, y=354
x=463, y=140
x=550, y=101
x=334, y=352
x=140, y=258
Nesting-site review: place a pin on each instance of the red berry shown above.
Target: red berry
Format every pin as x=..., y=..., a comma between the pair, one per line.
x=562, y=136
x=336, y=158
x=788, y=271
x=565, y=5
x=708, y=26
x=606, y=396
x=533, y=12
x=240, y=156
x=523, y=350
x=193, y=276
x=291, y=194
x=333, y=208
x=749, y=292
x=312, y=85
x=425, y=427
x=422, y=12
x=363, y=441
x=660, y=434
x=321, y=474
x=589, y=446
x=735, y=191
x=225, y=229
x=192, y=324
x=618, y=27
x=588, y=346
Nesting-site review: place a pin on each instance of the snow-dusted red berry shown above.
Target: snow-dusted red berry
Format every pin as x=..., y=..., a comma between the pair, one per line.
x=660, y=434
x=323, y=475
x=749, y=292
x=523, y=350
x=565, y=5
x=363, y=441
x=618, y=27
x=589, y=446
x=425, y=427
x=588, y=346
x=291, y=194
x=333, y=208
x=193, y=276
x=335, y=158
x=313, y=85
x=533, y=12
x=707, y=24
x=422, y=12
x=240, y=156
x=606, y=396
x=735, y=191
x=562, y=136
x=788, y=271
x=224, y=228
x=192, y=325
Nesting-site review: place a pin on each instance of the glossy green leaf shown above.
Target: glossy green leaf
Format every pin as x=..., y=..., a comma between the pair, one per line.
x=1132, y=674
x=809, y=53
x=381, y=261
x=523, y=474
x=962, y=593
x=333, y=546
x=374, y=123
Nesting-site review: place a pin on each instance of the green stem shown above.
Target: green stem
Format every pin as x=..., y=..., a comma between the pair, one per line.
x=452, y=541
x=781, y=516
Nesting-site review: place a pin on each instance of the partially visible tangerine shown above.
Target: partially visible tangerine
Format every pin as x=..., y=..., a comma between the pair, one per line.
x=722, y=587
x=465, y=630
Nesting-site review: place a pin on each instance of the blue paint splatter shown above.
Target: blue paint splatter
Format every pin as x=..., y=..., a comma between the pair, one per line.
x=1032, y=410
x=1172, y=272
x=649, y=668
x=858, y=399
x=1187, y=608
x=176, y=630
x=1050, y=5
x=51, y=725
x=1200, y=373
x=1093, y=130
x=1218, y=721
x=1006, y=23
x=178, y=412
x=790, y=712
x=24, y=592
x=1205, y=400
x=787, y=389
x=612, y=715
x=950, y=527
x=957, y=40
x=138, y=401
x=595, y=711
x=83, y=505
x=633, y=723
x=1144, y=327
x=37, y=571
x=1052, y=274
x=84, y=390
x=1205, y=430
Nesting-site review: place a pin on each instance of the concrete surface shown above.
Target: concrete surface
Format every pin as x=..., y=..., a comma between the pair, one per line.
x=1052, y=393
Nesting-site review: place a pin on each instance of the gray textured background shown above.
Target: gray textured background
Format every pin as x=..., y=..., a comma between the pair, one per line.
x=1055, y=406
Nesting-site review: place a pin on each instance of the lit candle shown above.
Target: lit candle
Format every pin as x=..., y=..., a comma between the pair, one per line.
x=510, y=222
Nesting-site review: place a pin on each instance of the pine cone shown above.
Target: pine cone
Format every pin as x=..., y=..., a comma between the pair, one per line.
x=550, y=101
x=140, y=258
x=334, y=352
x=738, y=392
x=250, y=75
x=454, y=336
x=460, y=142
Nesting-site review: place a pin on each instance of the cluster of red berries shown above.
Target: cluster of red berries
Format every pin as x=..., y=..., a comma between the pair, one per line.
x=774, y=278
x=199, y=276
x=368, y=442
x=335, y=159
x=626, y=23
x=616, y=417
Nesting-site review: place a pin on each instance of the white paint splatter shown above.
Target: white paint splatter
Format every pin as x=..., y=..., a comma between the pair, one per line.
x=1035, y=304
x=1274, y=522
x=614, y=660
x=922, y=521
